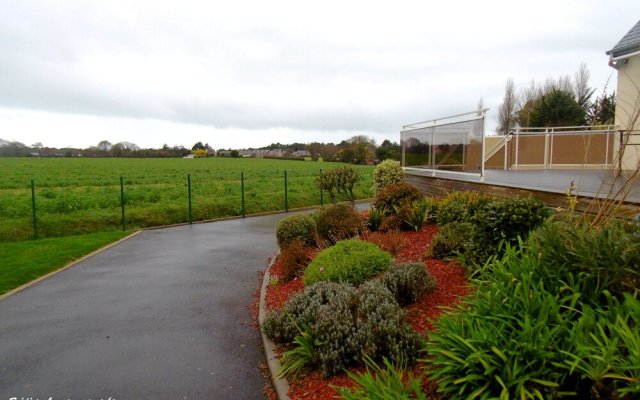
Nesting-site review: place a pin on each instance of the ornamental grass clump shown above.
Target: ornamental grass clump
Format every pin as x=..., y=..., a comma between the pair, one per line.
x=390, y=382
x=375, y=217
x=351, y=261
x=337, y=222
x=344, y=324
x=296, y=227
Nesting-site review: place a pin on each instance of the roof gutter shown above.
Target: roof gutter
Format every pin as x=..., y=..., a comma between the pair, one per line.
x=616, y=62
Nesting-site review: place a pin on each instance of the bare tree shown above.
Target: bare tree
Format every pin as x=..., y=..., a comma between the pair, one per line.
x=127, y=146
x=581, y=88
x=104, y=145
x=507, y=110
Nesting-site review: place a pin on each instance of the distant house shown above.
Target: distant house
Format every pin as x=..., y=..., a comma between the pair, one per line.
x=625, y=57
x=301, y=153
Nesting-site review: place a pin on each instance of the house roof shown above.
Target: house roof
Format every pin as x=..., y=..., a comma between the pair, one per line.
x=629, y=43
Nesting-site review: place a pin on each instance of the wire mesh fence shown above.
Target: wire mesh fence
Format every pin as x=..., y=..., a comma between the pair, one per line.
x=37, y=209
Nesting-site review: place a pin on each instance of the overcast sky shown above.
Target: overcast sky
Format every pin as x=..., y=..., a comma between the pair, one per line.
x=248, y=73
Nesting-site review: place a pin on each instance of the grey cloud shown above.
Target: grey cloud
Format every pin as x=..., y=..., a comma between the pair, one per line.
x=299, y=78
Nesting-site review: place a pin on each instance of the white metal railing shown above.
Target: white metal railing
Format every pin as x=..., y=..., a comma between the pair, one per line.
x=504, y=140
x=541, y=147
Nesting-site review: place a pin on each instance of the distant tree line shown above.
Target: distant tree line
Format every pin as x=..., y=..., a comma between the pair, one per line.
x=358, y=149
x=564, y=101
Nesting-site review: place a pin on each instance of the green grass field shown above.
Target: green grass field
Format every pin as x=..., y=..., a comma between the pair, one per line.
x=76, y=195
x=25, y=261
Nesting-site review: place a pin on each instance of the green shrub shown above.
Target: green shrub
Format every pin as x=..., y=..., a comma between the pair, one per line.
x=408, y=282
x=294, y=259
x=508, y=219
x=351, y=261
x=301, y=310
x=495, y=222
x=452, y=212
x=453, y=239
x=296, y=227
x=395, y=196
x=387, y=173
x=532, y=331
x=459, y=207
x=337, y=222
x=347, y=324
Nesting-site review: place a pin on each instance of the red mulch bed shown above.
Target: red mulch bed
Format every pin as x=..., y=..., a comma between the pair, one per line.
x=409, y=247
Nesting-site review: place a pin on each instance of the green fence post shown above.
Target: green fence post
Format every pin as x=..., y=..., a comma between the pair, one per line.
x=321, y=199
x=190, y=202
x=286, y=195
x=123, y=220
x=33, y=209
x=242, y=182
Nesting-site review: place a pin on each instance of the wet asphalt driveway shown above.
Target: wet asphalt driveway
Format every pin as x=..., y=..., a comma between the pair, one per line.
x=163, y=315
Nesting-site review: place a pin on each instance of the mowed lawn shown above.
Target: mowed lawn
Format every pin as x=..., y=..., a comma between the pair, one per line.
x=25, y=261
x=81, y=195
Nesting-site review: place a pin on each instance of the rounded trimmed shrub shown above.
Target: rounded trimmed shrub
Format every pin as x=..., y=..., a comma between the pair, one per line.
x=349, y=323
x=508, y=219
x=296, y=227
x=387, y=173
x=303, y=309
x=351, y=261
x=408, y=282
x=338, y=222
x=396, y=195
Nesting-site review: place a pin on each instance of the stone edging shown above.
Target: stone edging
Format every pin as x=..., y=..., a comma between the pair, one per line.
x=281, y=385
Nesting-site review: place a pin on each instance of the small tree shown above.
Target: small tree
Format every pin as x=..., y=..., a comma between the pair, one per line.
x=341, y=180
x=104, y=145
x=388, y=150
x=558, y=108
x=507, y=110
x=198, y=146
x=603, y=110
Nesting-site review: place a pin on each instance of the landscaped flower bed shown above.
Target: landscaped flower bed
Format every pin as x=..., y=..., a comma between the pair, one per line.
x=451, y=285
x=555, y=308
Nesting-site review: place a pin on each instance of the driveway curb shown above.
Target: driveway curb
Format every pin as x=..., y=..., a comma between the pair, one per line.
x=281, y=385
